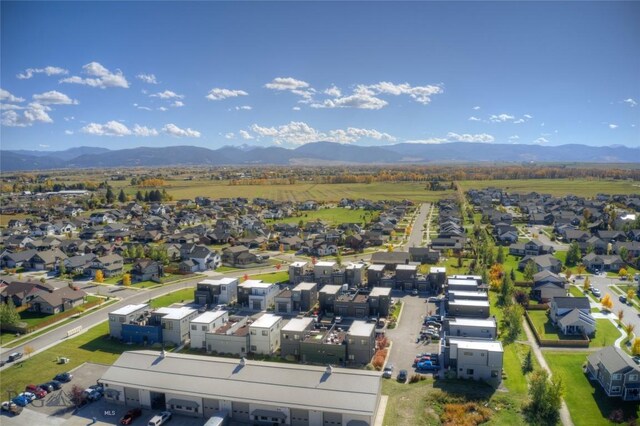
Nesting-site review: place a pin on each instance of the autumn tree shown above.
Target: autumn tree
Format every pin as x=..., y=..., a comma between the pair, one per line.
x=606, y=302
x=512, y=322
x=126, y=280
x=587, y=284
x=28, y=350
x=99, y=278
x=580, y=269
x=496, y=274
x=622, y=273
x=635, y=347
x=630, y=294
x=620, y=315
x=567, y=273
x=629, y=328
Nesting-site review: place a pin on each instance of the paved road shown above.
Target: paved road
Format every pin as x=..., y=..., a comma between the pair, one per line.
x=545, y=240
x=415, y=238
x=602, y=283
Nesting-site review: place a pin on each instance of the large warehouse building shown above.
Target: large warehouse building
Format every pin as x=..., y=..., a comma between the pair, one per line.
x=254, y=392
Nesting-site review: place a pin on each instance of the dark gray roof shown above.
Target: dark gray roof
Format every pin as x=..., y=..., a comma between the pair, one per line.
x=572, y=302
x=613, y=360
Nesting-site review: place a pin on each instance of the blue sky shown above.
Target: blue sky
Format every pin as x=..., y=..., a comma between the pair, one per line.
x=125, y=74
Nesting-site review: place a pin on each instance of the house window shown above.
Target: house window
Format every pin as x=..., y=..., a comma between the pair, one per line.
x=253, y=332
x=253, y=348
x=194, y=327
x=122, y=319
x=470, y=371
x=616, y=377
x=633, y=377
x=265, y=332
x=204, y=328
x=615, y=389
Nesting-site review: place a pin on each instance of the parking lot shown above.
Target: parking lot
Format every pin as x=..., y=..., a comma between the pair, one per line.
x=404, y=336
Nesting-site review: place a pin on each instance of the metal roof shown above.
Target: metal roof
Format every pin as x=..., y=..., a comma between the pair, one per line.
x=290, y=385
x=129, y=309
x=208, y=317
x=487, y=345
x=298, y=324
x=361, y=328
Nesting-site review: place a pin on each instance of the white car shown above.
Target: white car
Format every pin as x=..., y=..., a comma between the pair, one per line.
x=388, y=372
x=160, y=419
x=28, y=395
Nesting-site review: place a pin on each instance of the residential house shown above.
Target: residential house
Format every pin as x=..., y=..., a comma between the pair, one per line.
x=476, y=359
x=423, y=255
x=202, y=256
x=265, y=334
x=22, y=293
x=543, y=262
x=110, y=265
x=238, y=256
x=361, y=342
x=125, y=315
x=216, y=291
x=572, y=315
x=616, y=373
x=292, y=334
x=59, y=300
x=175, y=323
x=471, y=328
x=327, y=297
x=547, y=285
x=468, y=308
x=530, y=248
x=594, y=262
x=206, y=323
x=230, y=338
x=146, y=270
x=257, y=295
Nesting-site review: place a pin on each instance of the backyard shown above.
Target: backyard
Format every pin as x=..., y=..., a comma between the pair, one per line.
x=588, y=404
x=606, y=331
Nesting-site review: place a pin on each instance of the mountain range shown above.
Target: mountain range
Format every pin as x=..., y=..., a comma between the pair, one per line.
x=314, y=153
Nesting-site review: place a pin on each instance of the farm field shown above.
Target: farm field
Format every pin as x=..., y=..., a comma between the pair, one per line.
x=335, y=215
x=558, y=187
x=181, y=189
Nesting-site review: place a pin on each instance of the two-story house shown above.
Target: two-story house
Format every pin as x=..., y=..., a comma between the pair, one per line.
x=216, y=291
x=572, y=315
x=257, y=295
x=265, y=334
x=616, y=372
x=292, y=334
x=206, y=323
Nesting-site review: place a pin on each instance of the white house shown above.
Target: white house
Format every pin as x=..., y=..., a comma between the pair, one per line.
x=265, y=334
x=124, y=315
x=175, y=323
x=206, y=323
x=257, y=295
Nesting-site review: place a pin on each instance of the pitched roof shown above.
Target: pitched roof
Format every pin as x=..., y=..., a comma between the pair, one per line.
x=571, y=302
x=58, y=297
x=613, y=359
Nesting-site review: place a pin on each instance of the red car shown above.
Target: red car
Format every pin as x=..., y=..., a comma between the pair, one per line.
x=131, y=415
x=38, y=392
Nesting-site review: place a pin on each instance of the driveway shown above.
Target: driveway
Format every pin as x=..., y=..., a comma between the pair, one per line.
x=404, y=336
x=602, y=283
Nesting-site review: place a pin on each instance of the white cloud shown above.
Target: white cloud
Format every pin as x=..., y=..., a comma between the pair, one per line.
x=54, y=97
x=4, y=107
x=173, y=130
x=41, y=145
x=514, y=137
x=361, y=100
x=5, y=96
x=163, y=109
x=541, y=141
x=244, y=108
x=472, y=118
x=99, y=76
x=32, y=114
x=177, y=104
x=367, y=96
x=167, y=94
x=229, y=135
x=519, y=121
x=613, y=126
x=457, y=137
x=142, y=107
x=69, y=118
x=29, y=72
x=144, y=131
x=147, y=78
x=475, y=108
x=631, y=102
x=421, y=94
x=218, y=94
x=68, y=132
x=245, y=135
x=528, y=116
x=466, y=137
x=299, y=133
x=286, y=83
x=333, y=91
x=501, y=118
x=296, y=108
x=110, y=128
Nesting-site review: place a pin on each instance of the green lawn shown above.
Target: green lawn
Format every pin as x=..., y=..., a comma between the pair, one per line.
x=606, y=331
x=587, y=403
x=557, y=187
x=511, y=262
x=336, y=216
x=606, y=334
x=272, y=277
x=575, y=291
x=515, y=381
x=179, y=296
x=34, y=319
x=561, y=255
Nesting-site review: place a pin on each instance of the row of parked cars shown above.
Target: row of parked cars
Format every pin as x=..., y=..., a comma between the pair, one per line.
x=33, y=392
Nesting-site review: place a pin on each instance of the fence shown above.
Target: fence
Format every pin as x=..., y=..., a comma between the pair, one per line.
x=583, y=343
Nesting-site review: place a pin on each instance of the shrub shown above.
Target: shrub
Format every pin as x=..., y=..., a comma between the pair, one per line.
x=469, y=414
x=617, y=416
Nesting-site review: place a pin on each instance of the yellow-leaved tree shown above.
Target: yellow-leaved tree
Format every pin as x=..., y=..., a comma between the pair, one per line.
x=126, y=280
x=99, y=276
x=606, y=302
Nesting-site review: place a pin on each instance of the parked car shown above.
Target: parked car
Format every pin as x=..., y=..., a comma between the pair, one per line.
x=97, y=387
x=46, y=386
x=130, y=416
x=38, y=392
x=436, y=318
x=92, y=394
x=636, y=359
x=29, y=396
x=160, y=419
x=337, y=320
x=388, y=371
x=623, y=299
x=2, y=363
x=596, y=292
x=20, y=401
x=63, y=377
x=14, y=356
x=427, y=365
x=11, y=407
x=55, y=384
x=402, y=376
x=414, y=292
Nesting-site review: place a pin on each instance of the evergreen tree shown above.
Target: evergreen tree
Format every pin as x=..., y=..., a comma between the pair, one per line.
x=122, y=197
x=546, y=398
x=530, y=270
x=139, y=196
x=8, y=313
x=111, y=197
x=146, y=196
x=506, y=291
x=527, y=363
x=573, y=254
x=500, y=255
x=512, y=274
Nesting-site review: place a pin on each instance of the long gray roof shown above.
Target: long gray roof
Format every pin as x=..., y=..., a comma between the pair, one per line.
x=290, y=385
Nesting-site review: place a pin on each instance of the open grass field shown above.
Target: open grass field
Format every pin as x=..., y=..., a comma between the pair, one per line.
x=179, y=296
x=181, y=189
x=422, y=403
x=272, y=277
x=335, y=215
x=587, y=403
x=559, y=187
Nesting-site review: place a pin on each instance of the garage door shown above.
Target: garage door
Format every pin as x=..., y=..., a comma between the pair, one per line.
x=210, y=407
x=240, y=412
x=132, y=397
